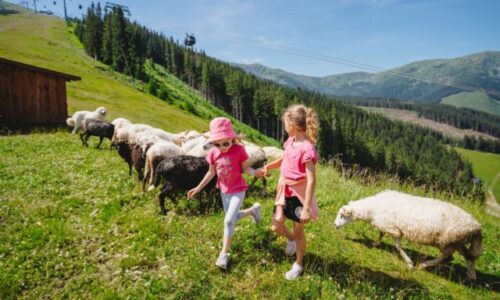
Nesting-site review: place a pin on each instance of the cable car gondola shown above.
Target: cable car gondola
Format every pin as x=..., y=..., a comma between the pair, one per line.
x=189, y=40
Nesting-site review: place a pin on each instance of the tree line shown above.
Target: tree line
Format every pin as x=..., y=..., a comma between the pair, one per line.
x=346, y=132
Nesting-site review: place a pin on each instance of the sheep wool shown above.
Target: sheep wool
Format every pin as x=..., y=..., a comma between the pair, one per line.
x=421, y=220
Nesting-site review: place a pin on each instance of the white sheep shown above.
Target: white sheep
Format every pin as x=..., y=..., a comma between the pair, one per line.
x=155, y=154
x=256, y=159
x=200, y=149
x=190, y=144
x=120, y=123
x=273, y=153
x=421, y=220
x=134, y=130
x=76, y=120
x=120, y=135
x=167, y=136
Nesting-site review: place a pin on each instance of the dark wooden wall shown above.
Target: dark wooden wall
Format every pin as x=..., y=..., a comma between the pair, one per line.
x=31, y=97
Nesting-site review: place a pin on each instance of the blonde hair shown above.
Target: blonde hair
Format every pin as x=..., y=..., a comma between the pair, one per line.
x=304, y=119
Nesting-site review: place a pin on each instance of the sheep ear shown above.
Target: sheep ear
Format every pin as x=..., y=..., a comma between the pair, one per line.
x=347, y=211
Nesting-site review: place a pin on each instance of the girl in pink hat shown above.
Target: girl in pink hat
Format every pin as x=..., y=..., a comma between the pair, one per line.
x=227, y=159
x=295, y=198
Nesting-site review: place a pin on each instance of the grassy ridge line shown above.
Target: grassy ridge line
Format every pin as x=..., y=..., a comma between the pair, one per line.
x=474, y=100
x=73, y=224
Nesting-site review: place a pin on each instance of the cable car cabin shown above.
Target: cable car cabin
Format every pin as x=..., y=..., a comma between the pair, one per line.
x=189, y=40
x=31, y=95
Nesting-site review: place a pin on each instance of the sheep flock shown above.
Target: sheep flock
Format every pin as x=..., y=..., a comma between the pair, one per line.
x=178, y=160
x=156, y=154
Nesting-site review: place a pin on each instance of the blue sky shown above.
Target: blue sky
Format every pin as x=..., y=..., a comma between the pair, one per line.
x=383, y=33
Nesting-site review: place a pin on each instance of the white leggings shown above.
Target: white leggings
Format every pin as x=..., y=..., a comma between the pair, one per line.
x=232, y=204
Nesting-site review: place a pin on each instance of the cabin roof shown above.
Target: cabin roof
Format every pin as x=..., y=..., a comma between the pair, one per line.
x=68, y=77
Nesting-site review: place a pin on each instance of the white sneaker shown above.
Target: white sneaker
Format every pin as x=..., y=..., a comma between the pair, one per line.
x=256, y=212
x=222, y=260
x=291, y=246
x=294, y=272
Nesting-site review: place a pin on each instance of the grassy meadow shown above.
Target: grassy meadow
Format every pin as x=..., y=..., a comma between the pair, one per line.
x=73, y=224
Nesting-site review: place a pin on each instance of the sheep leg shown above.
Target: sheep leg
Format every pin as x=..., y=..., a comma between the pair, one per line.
x=469, y=259
x=403, y=254
x=253, y=182
x=377, y=242
x=471, y=270
x=81, y=138
x=147, y=174
x=264, y=185
x=100, y=141
x=435, y=261
x=87, y=137
x=162, y=196
x=164, y=192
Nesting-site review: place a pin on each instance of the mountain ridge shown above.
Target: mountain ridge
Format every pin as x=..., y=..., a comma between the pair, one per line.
x=479, y=71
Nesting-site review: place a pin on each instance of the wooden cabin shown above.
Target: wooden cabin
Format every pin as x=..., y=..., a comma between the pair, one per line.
x=31, y=95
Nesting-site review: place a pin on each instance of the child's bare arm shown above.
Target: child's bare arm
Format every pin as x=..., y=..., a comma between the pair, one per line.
x=247, y=169
x=273, y=165
x=210, y=174
x=310, y=186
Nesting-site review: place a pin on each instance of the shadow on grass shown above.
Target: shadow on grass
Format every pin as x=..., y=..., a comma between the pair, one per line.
x=448, y=270
x=205, y=203
x=349, y=276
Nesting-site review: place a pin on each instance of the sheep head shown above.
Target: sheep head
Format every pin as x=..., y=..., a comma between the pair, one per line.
x=344, y=216
x=101, y=111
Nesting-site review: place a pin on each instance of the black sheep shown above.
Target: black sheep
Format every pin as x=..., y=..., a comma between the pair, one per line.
x=94, y=127
x=180, y=173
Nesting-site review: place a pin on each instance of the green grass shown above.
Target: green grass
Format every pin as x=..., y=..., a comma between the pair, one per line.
x=485, y=166
x=73, y=224
x=475, y=100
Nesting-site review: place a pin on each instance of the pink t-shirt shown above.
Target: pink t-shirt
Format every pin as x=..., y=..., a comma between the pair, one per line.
x=228, y=166
x=294, y=161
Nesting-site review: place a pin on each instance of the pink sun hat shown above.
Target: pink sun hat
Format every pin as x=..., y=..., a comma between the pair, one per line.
x=221, y=128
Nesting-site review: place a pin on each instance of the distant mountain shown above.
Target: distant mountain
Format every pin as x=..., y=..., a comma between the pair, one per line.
x=479, y=71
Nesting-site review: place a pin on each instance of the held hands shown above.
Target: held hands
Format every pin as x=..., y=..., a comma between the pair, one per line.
x=262, y=172
x=305, y=215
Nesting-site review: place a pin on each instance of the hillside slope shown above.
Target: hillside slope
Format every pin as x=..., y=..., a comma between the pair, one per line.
x=479, y=71
x=46, y=42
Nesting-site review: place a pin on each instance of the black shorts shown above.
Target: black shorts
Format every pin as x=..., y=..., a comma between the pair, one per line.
x=292, y=209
